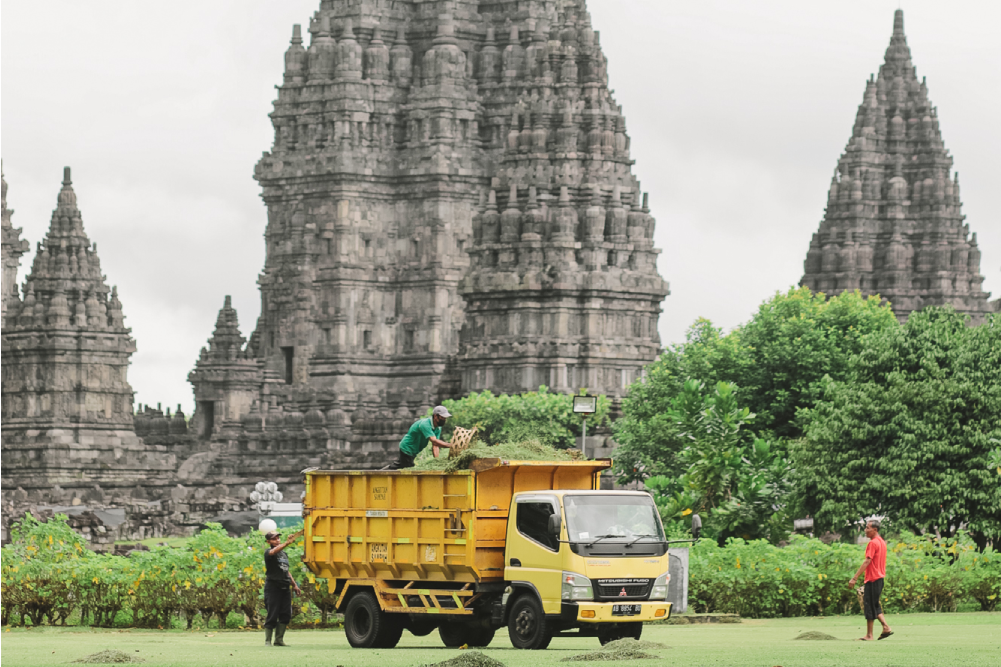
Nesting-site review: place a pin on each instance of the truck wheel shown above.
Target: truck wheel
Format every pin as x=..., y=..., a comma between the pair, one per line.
x=480, y=637
x=367, y=626
x=527, y=626
x=421, y=627
x=453, y=635
x=620, y=631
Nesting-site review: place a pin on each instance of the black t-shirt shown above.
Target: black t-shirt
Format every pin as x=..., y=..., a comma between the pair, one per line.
x=276, y=566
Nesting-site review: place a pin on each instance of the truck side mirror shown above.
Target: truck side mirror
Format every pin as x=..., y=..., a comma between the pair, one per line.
x=555, y=524
x=696, y=526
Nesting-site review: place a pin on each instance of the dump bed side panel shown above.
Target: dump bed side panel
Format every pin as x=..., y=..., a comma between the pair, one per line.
x=393, y=526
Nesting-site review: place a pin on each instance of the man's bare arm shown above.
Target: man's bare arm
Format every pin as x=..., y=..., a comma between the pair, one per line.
x=865, y=564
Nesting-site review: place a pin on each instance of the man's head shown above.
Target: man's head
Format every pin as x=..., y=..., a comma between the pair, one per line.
x=439, y=415
x=872, y=528
x=273, y=538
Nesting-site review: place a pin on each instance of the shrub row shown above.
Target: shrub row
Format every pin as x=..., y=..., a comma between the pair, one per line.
x=808, y=577
x=47, y=574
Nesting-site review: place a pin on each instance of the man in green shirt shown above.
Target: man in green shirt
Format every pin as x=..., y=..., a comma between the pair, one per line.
x=423, y=431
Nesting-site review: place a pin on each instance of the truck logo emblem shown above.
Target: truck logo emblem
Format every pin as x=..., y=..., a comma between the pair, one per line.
x=623, y=593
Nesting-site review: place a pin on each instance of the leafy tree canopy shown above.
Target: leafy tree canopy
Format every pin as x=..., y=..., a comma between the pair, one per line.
x=777, y=360
x=909, y=432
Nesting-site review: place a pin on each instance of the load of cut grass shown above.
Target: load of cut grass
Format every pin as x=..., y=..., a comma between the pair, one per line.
x=109, y=657
x=815, y=636
x=629, y=643
x=529, y=449
x=469, y=659
x=620, y=649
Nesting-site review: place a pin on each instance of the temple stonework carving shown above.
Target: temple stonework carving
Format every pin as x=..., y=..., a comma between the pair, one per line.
x=67, y=404
x=893, y=225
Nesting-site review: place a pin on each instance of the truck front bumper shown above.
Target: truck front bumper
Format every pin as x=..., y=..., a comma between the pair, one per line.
x=602, y=612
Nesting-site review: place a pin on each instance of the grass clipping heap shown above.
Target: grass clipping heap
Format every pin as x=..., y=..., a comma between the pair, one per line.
x=620, y=649
x=472, y=448
x=109, y=657
x=470, y=659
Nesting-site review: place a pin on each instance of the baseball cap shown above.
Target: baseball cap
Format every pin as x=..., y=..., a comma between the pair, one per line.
x=441, y=412
x=272, y=534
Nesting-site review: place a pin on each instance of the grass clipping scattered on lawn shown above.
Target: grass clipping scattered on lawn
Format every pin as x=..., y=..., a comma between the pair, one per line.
x=469, y=659
x=815, y=636
x=109, y=657
x=528, y=449
x=620, y=649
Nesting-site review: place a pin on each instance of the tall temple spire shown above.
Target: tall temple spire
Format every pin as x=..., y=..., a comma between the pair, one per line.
x=67, y=350
x=893, y=224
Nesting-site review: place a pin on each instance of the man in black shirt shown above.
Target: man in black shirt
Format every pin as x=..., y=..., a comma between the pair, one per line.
x=277, y=596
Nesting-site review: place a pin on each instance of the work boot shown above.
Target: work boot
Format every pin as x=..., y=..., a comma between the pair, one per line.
x=280, y=634
x=267, y=636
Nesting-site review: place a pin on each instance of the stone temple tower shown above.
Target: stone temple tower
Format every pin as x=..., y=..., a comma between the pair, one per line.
x=450, y=208
x=12, y=247
x=67, y=405
x=893, y=224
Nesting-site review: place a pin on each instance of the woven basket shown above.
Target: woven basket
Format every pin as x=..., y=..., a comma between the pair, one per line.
x=462, y=438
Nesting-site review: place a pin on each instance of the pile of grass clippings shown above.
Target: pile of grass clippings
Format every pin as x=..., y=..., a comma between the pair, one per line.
x=816, y=636
x=109, y=657
x=525, y=450
x=469, y=659
x=620, y=649
x=629, y=643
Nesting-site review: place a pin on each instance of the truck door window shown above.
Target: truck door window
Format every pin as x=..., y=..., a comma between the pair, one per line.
x=533, y=523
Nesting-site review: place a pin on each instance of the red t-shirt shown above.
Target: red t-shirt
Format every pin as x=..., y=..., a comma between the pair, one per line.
x=875, y=551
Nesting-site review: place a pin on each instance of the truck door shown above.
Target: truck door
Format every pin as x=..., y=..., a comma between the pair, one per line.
x=533, y=553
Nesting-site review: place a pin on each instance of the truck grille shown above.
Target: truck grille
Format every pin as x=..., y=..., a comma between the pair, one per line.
x=612, y=589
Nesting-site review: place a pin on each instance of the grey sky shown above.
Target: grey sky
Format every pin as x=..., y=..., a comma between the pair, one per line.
x=737, y=111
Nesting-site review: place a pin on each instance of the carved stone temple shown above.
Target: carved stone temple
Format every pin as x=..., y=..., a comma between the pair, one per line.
x=893, y=224
x=67, y=404
x=451, y=207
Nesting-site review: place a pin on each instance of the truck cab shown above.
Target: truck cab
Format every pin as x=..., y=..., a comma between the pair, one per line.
x=591, y=561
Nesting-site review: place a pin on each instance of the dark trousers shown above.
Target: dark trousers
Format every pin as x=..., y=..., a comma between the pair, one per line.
x=402, y=461
x=870, y=599
x=278, y=602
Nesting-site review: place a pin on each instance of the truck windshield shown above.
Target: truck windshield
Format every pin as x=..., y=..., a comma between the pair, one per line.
x=590, y=517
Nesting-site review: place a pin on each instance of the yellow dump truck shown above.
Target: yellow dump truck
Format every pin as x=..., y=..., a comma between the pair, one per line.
x=535, y=546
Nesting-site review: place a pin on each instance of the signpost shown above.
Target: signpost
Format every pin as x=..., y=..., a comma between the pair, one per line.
x=584, y=406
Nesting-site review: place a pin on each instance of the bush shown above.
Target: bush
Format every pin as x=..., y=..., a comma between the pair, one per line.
x=48, y=574
x=758, y=580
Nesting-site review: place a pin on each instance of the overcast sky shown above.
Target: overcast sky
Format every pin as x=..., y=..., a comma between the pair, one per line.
x=738, y=112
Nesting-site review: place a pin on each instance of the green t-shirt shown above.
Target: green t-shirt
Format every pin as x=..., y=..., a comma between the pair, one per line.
x=417, y=437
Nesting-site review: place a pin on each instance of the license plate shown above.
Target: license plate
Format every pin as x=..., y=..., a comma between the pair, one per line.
x=626, y=609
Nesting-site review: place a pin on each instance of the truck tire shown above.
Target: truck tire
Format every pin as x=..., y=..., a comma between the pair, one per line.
x=619, y=631
x=527, y=626
x=421, y=627
x=480, y=637
x=367, y=626
x=453, y=635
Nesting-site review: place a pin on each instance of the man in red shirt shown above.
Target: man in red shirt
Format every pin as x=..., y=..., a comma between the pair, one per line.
x=874, y=567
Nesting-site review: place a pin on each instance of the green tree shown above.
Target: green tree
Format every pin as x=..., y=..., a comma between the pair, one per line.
x=733, y=478
x=544, y=415
x=778, y=360
x=908, y=433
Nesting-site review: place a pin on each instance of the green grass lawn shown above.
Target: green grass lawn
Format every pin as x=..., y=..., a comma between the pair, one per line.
x=920, y=639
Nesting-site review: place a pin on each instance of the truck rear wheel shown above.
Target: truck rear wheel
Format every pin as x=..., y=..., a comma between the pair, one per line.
x=367, y=626
x=527, y=626
x=454, y=635
x=421, y=627
x=611, y=632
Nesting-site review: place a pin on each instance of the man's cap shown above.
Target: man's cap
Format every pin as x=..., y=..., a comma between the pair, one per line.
x=441, y=412
x=272, y=534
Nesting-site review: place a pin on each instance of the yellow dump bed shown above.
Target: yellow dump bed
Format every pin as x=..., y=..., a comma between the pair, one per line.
x=424, y=525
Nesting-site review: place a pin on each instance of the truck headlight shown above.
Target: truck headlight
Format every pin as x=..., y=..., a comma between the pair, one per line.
x=659, y=590
x=576, y=587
